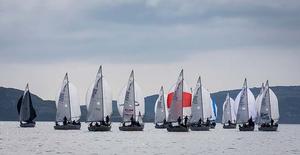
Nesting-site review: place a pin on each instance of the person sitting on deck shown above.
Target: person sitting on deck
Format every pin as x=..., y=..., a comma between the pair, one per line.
x=56, y=123
x=272, y=122
x=165, y=122
x=179, y=120
x=207, y=122
x=185, y=120
x=91, y=124
x=107, y=120
x=250, y=122
x=200, y=122
x=132, y=121
x=65, y=121
x=97, y=124
x=229, y=122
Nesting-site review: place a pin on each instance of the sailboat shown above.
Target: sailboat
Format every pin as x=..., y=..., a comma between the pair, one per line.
x=160, y=111
x=131, y=106
x=245, y=109
x=25, y=109
x=68, y=107
x=99, y=104
x=268, y=110
x=214, y=115
x=201, y=108
x=229, y=117
x=176, y=111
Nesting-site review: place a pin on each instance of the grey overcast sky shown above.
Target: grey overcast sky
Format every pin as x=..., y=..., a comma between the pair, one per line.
x=221, y=40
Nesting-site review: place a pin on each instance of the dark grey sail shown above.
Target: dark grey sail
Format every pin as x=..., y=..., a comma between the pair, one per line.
x=96, y=105
x=129, y=101
x=25, y=108
x=63, y=103
x=197, y=103
x=243, y=111
x=176, y=109
x=160, y=111
x=265, y=110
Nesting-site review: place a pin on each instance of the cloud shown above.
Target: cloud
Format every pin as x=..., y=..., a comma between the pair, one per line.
x=141, y=31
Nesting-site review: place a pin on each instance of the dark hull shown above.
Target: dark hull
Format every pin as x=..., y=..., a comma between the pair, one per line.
x=171, y=128
x=99, y=128
x=163, y=126
x=27, y=125
x=67, y=127
x=270, y=128
x=247, y=128
x=131, y=128
x=231, y=126
x=199, y=128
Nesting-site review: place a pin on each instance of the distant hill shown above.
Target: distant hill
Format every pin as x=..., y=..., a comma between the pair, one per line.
x=288, y=97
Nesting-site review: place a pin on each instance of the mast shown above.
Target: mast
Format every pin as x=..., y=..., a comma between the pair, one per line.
x=182, y=93
x=246, y=87
x=134, y=114
x=102, y=100
x=201, y=97
x=69, y=96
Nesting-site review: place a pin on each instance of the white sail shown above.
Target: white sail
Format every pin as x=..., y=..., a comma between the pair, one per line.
x=67, y=102
x=268, y=106
x=139, y=105
x=176, y=109
x=228, y=110
x=245, y=105
x=99, y=99
x=160, y=109
x=201, y=104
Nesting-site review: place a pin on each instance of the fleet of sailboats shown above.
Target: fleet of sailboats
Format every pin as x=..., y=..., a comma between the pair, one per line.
x=178, y=111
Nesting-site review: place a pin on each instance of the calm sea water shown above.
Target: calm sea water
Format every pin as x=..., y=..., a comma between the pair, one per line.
x=43, y=139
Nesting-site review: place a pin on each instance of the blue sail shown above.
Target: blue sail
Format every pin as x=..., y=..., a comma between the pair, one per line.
x=215, y=109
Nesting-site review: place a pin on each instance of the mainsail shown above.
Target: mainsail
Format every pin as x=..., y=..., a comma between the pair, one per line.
x=176, y=109
x=25, y=108
x=67, y=103
x=268, y=106
x=228, y=110
x=99, y=99
x=201, y=104
x=131, y=101
x=245, y=105
x=214, y=111
x=160, y=107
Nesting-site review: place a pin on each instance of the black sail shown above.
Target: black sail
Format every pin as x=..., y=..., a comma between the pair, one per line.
x=25, y=108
